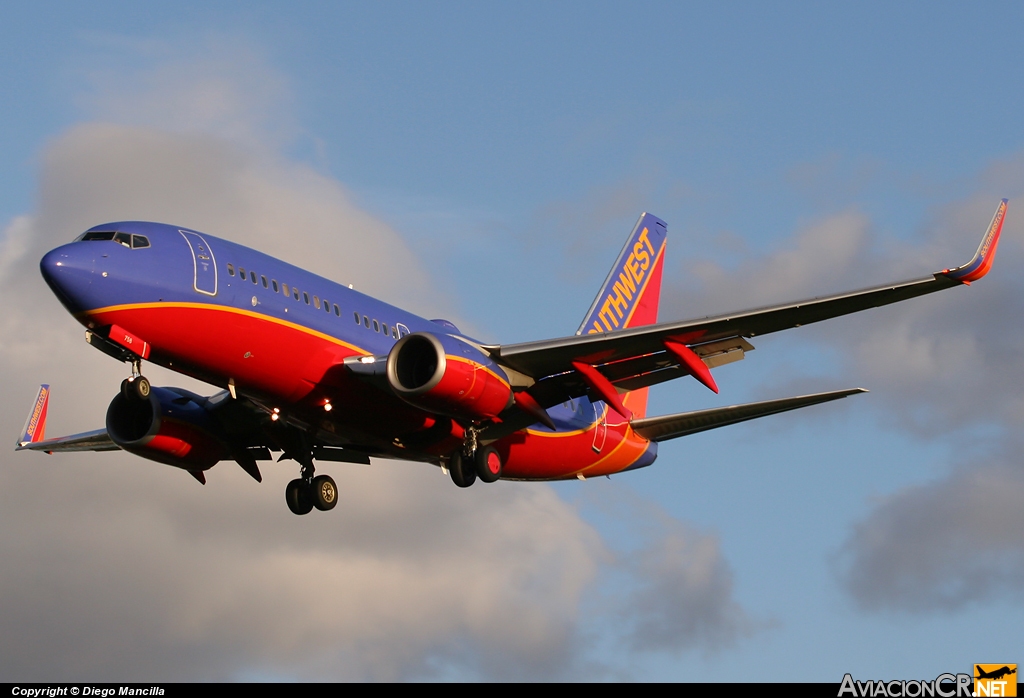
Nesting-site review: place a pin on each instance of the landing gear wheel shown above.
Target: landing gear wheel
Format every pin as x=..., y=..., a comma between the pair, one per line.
x=462, y=471
x=136, y=388
x=299, y=497
x=324, y=493
x=141, y=387
x=488, y=463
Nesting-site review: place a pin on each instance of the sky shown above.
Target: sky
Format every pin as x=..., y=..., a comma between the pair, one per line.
x=483, y=162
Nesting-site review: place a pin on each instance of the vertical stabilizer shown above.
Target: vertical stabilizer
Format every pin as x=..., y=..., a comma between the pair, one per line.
x=630, y=294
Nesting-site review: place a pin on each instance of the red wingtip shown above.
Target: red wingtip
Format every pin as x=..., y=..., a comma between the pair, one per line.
x=986, y=254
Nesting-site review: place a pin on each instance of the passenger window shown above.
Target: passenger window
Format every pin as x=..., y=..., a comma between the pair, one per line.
x=264, y=280
x=357, y=317
x=241, y=273
x=139, y=242
x=124, y=238
x=316, y=302
x=231, y=269
x=284, y=289
x=273, y=282
x=295, y=293
x=376, y=326
x=252, y=275
x=384, y=327
x=366, y=321
x=337, y=310
x=394, y=332
x=327, y=307
x=305, y=297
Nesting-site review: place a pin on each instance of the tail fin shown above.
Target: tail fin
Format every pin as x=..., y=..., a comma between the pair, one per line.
x=35, y=425
x=630, y=294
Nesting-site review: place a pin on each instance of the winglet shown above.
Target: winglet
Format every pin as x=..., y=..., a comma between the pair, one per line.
x=35, y=425
x=986, y=254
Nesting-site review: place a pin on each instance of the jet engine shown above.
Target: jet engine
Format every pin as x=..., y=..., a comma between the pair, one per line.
x=171, y=426
x=445, y=375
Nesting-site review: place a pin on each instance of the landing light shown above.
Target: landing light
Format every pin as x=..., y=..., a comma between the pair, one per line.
x=327, y=406
x=367, y=360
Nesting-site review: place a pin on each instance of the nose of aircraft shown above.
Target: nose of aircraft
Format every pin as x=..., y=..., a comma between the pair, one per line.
x=69, y=272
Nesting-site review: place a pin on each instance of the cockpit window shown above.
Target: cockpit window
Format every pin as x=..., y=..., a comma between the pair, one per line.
x=126, y=239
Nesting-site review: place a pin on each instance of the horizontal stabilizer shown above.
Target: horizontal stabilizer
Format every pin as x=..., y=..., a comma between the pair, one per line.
x=97, y=440
x=673, y=426
x=33, y=435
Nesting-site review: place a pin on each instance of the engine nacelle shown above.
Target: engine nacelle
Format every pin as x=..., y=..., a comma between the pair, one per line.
x=169, y=427
x=445, y=375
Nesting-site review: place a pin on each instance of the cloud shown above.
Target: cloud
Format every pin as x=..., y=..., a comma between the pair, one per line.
x=133, y=570
x=118, y=567
x=678, y=587
x=947, y=367
x=684, y=595
x=941, y=546
x=215, y=84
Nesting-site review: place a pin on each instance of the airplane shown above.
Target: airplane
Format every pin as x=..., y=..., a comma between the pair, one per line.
x=316, y=371
x=996, y=674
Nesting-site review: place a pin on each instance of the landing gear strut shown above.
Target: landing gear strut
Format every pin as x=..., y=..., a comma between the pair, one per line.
x=308, y=491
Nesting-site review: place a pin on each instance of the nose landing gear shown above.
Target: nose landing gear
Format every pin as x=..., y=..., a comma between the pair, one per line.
x=136, y=386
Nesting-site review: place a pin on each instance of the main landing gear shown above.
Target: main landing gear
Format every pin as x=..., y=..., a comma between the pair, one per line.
x=307, y=492
x=136, y=386
x=302, y=495
x=472, y=461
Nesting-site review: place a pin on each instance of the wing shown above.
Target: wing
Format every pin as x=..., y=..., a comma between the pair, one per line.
x=641, y=355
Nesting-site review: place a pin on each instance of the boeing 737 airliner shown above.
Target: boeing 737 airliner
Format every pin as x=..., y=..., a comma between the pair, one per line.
x=315, y=371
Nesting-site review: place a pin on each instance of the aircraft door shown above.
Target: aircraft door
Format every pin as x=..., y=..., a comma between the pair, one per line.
x=204, y=278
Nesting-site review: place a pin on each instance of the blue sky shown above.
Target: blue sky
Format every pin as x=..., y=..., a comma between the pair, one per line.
x=483, y=162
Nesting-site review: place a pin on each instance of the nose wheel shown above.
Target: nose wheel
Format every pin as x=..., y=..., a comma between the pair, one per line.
x=136, y=386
